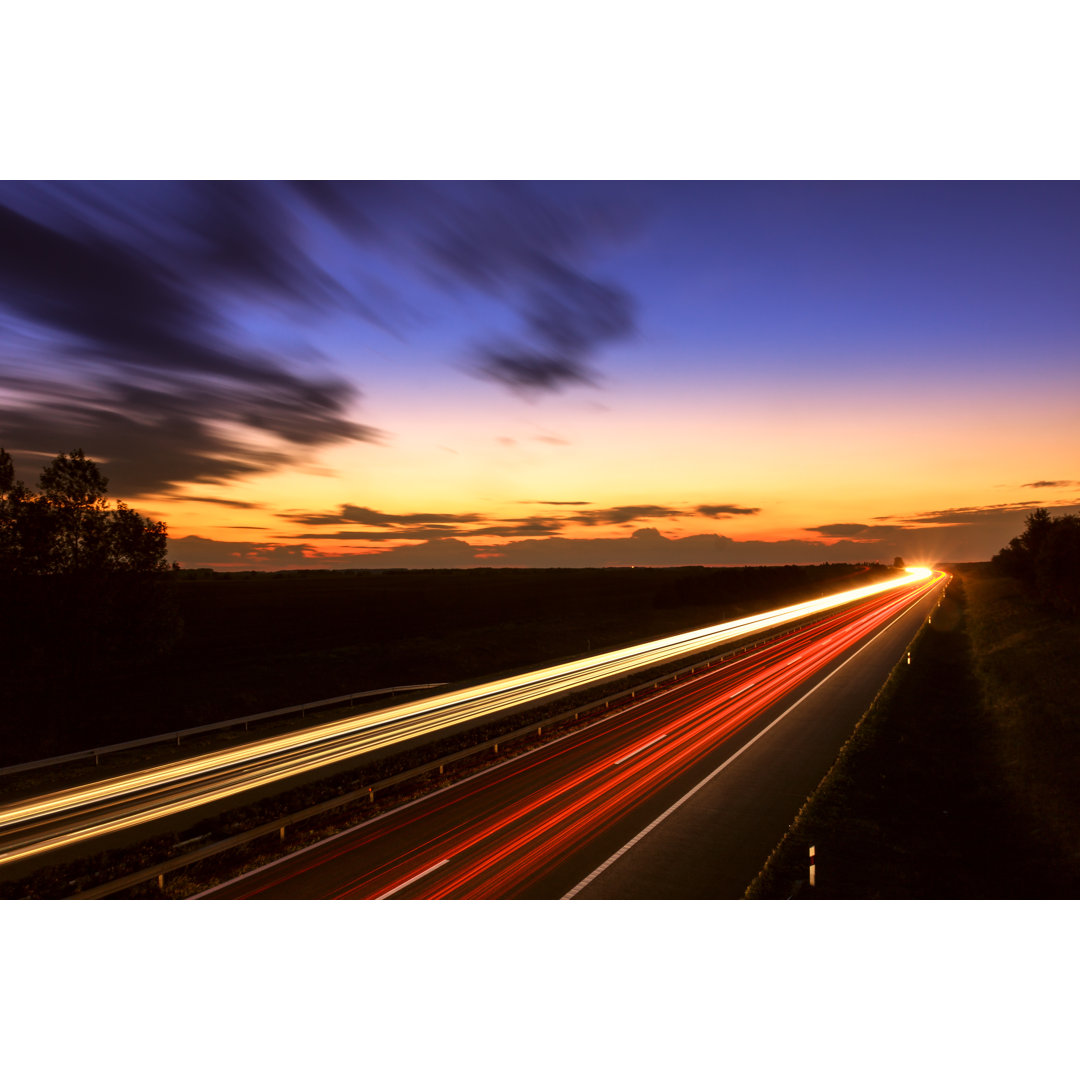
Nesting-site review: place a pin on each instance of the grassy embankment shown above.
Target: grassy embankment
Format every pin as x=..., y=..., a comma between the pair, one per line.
x=960, y=781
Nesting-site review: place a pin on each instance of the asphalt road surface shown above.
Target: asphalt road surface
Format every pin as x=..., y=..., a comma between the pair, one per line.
x=682, y=794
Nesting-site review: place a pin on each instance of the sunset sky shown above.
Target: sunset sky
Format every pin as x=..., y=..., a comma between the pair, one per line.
x=551, y=374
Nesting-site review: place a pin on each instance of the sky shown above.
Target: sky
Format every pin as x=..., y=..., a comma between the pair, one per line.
x=428, y=374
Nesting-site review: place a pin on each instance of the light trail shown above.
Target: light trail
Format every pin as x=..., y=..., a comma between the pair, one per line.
x=542, y=808
x=555, y=822
x=91, y=811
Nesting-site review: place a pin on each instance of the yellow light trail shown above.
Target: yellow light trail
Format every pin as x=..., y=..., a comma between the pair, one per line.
x=45, y=823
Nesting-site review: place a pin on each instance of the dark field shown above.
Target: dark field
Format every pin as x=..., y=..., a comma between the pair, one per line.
x=254, y=642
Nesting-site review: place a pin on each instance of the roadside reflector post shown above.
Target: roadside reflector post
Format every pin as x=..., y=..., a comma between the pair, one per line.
x=812, y=867
x=539, y=731
x=177, y=740
x=440, y=770
x=371, y=795
x=161, y=882
x=496, y=748
x=281, y=834
x=909, y=658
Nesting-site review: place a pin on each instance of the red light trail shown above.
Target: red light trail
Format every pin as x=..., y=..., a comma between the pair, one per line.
x=539, y=809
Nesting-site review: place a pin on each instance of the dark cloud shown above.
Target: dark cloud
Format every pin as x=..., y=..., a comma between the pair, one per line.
x=969, y=542
x=529, y=371
x=512, y=241
x=348, y=514
x=839, y=529
x=551, y=502
x=520, y=527
x=235, y=504
x=859, y=531
x=532, y=526
x=727, y=510
x=129, y=294
x=143, y=453
x=963, y=514
x=427, y=532
x=621, y=515
x=122, y=291
x=363, y=515
x=1050, y=483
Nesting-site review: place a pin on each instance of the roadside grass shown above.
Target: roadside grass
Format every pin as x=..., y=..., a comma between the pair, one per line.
x=1027, y=663
x=922, y=802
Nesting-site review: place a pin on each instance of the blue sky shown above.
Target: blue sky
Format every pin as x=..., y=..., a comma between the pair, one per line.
x=814, y=357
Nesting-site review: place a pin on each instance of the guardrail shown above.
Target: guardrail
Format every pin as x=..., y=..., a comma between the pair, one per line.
x=367, y=792
x=168, y=736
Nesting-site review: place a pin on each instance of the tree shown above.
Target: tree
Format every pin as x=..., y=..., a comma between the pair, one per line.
x=1057, y=565
x=69, y=527
x=1046, y=557
x=87, y=598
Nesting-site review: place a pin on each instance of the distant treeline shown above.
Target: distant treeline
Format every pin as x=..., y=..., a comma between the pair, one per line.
x=1046, y=558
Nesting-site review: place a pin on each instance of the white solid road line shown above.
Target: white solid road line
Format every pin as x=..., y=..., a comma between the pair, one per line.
x=720, y=768
x=404, y=884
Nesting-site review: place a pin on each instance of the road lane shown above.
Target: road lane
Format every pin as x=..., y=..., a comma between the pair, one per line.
x=534, y=826
x=713, y=844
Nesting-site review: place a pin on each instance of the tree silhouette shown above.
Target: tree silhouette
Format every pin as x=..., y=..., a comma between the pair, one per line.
x=69, y=527
x=1046, y=557
x=86, y=595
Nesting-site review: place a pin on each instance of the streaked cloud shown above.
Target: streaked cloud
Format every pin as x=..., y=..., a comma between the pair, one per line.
x=724, y=510
x=144, y=321
x=363, y=515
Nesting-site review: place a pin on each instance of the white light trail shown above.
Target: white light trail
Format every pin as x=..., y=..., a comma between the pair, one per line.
x=92, y=810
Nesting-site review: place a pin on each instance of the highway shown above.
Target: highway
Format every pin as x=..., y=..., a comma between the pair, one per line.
x=91, y=812
x=546, y=824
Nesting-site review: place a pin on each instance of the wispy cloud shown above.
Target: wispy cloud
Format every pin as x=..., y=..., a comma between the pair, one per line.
x=121, y=302
x=474, y=523
x=964, y=514
x=623, y=515
x=123, y=286
x=511, y=241
x=725, y=510
x=363, y=515
x=234, y=504
x=857, y=531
